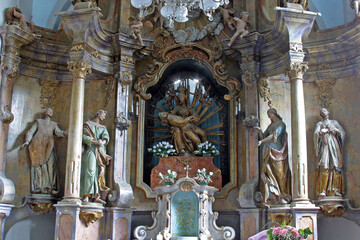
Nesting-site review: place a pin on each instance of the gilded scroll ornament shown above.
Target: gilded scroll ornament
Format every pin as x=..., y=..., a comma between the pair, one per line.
x=325, y=91
x=6, y=116
x=127, y=59
x=41, y=207
x=79, y=69
x=264, y=90
x=90, y=217
x=280, y=218
x=48, y=92
x=11, y=71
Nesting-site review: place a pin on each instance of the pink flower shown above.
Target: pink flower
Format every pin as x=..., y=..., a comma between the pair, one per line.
x=295, y=233
x=283, y=232
x=276, y=230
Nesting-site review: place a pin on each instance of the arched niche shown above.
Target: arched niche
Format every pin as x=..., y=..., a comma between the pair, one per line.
x=198, y=62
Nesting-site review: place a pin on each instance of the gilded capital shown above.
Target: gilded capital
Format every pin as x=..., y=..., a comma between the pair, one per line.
x=79, y=69
x=297, y=69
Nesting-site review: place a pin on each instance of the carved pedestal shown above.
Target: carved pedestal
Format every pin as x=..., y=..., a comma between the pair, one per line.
x=331, y=205
x=177, y=164
x=184, y=212
x=41, y=203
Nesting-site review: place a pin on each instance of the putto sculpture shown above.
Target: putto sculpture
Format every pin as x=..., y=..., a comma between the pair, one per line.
x=241, y=25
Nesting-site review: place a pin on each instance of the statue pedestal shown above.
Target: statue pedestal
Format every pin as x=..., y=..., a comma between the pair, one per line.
x=177, y=164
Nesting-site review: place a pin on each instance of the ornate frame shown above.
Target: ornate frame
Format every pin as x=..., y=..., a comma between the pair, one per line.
x=164, y=57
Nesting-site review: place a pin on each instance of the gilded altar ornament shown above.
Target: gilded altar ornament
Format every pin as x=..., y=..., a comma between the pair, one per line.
x=329, y=137
x=280, y=218
x=264, y=90
x=275, y=171
x=136, y=25
x=325, y=91
x=241, y=26
x=48, y=92
x=90, y=217
x=41, y=207
x=6, y=116
x=94, y=160
x=122, y=123
x=332, y=209
x=40, y=138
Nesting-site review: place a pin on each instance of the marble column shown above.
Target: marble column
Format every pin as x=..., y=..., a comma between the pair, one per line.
x=79, y=70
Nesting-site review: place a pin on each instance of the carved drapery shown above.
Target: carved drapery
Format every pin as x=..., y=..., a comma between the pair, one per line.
x=164, y=57
x=325, y=91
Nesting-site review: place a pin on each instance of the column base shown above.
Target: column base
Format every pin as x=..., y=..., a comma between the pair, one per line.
x=251, y=220
x=118, y=223
x=5, y=210
x=302, y=203
x=76, y=221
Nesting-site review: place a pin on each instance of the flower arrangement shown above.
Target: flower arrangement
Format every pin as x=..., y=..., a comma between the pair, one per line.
x=203, y=177
x=285, y=232
x=206, y=148
x=162, y=149
x=170, y=177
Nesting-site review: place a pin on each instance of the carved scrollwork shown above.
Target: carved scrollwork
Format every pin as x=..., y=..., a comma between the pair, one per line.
x=297, y=69
x=122, y=123
x=251, y=122
x=279, y=218
x=247, y=58
x=149, y=79
x=296, y=47
x=127, y=59
x=79, y=69
x=48, y=92
x=325, y=91
x=225, y=80
x=90, y=217
x=11, y=71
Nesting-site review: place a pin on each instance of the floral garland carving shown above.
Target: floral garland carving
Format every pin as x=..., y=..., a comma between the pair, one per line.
x=325, y=91
x=48, y=92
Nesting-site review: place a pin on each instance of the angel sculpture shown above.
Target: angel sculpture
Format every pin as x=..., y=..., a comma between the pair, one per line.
x=225, y=12
x=158, y=16
x=15, y=16
x=241, y=25
x=136, y=25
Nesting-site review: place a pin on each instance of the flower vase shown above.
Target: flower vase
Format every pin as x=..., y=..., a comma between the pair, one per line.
x=168, y=184
x=206, y=154
x=203, y=183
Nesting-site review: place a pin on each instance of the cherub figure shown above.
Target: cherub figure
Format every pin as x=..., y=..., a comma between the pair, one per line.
x=158, y=16
x=241, y=27
x=225, y=12
x=355, y=4
x=136, y=25
x=14, y=15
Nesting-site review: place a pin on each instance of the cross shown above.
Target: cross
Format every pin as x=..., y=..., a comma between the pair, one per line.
x=187, y=170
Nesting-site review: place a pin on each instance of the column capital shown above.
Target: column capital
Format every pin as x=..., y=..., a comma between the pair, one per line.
x=79, y=69
x=297, y=70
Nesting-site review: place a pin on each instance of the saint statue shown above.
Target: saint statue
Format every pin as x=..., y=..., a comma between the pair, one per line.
x=275, y=171
x=94, y=159
x=329, y=138
x=40, y=138
x=182, y=120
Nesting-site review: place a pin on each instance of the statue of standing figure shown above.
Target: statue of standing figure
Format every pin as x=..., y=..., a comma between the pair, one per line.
x=275, y=171
x=94, y=159
x=329, y=138
x=40, y=138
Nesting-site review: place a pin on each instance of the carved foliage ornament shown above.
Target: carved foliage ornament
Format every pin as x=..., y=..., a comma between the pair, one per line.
x=332, y=209
x=48, y=92
x=186, y=186
x=79, y=69
x=297, y=69
x=90, y=217
x=325, y=91
x=109, y=89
